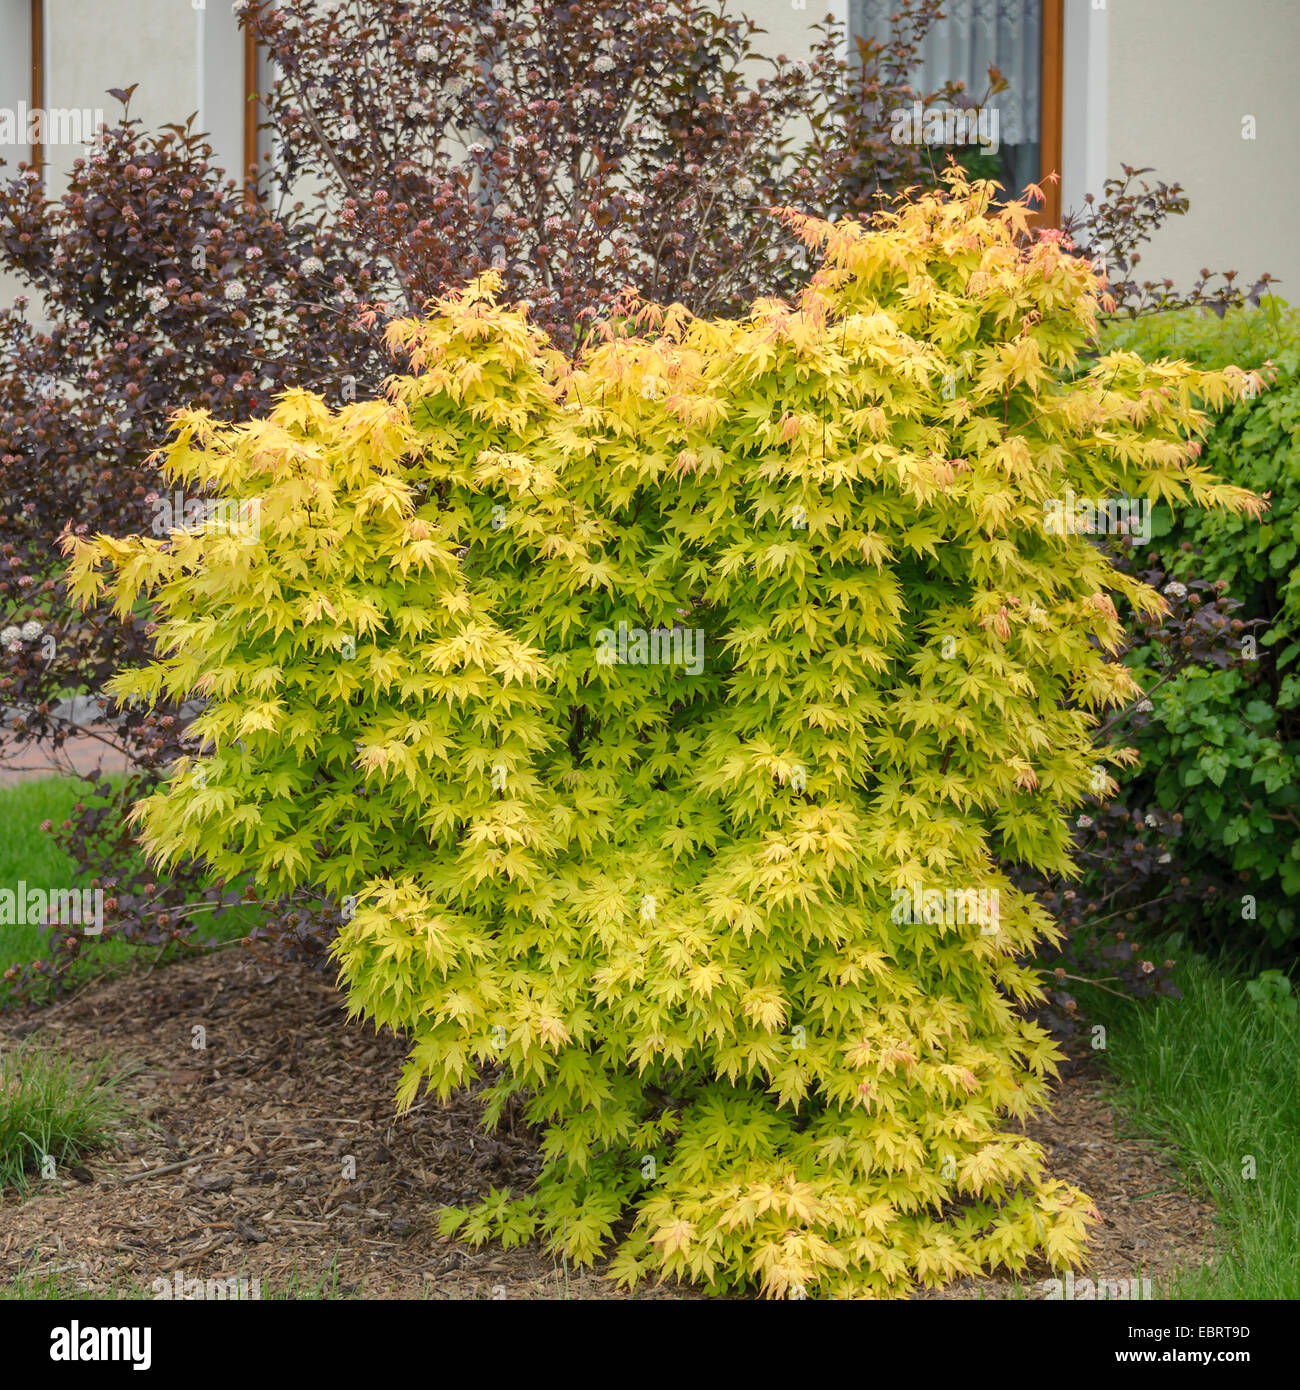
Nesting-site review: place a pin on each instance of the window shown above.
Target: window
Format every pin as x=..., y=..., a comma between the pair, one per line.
x=1020, y=141
x=20, y=79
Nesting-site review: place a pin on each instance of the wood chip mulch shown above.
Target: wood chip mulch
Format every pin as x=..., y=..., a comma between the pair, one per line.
x=273, y=1153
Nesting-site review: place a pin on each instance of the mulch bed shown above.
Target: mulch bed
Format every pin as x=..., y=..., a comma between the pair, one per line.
x=236, y=1164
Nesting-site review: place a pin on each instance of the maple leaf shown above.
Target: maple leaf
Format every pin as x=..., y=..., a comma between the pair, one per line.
x=674, y=1237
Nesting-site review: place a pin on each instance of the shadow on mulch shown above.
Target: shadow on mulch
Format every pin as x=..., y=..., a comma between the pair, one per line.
x=241, y=1164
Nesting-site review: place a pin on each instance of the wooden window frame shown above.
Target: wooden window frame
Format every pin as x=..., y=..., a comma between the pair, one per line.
x=251, y=99
x=250, y=112
x=1051, y=112
x=37, y=13
x=1052, y=89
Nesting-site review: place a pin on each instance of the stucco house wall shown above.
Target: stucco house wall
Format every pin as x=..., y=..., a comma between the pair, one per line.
x=1186, y=80
x=1203, y=92
x=1169, y=84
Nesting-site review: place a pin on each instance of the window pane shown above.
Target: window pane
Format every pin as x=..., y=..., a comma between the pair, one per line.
x=959, y=48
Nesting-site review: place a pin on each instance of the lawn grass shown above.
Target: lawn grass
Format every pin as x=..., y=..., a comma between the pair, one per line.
x=54, y=1287
x=1214, y=1078
x=29, y=855
x=57, y=1283
x=52, y=1108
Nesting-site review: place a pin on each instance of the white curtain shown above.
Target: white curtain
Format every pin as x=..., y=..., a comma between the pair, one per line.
x=960, y=47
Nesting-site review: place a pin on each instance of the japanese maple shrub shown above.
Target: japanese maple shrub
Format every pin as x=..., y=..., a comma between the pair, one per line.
x=658, y=720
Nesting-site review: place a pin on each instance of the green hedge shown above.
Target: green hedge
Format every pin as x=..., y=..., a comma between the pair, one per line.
x=1223, y=748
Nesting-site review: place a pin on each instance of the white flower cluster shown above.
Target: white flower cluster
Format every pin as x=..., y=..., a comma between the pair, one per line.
x=604, y=63
x=12, y=638
x=744, y=188
x=312, y=265
x=1175, y=590
x=426, y=53
x=234, y=291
